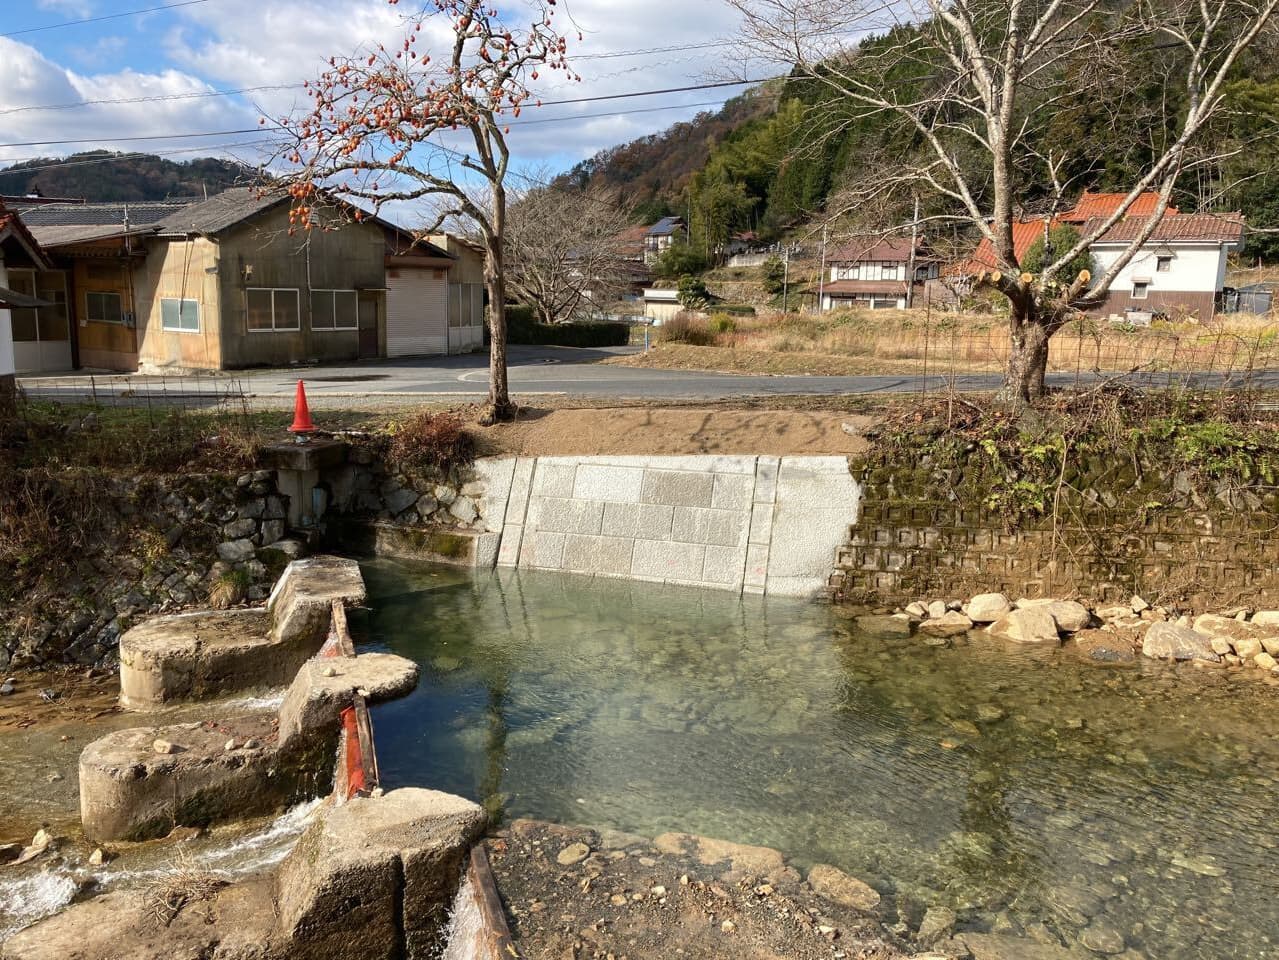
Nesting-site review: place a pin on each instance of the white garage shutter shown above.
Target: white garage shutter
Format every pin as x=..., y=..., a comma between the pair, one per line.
x=416, y=312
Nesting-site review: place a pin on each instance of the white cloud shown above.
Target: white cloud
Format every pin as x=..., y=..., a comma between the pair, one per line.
x=27, y=78
x=249, y=43
x=73, y=8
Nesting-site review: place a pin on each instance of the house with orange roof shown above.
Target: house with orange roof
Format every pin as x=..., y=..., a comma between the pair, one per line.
x=1179, y=271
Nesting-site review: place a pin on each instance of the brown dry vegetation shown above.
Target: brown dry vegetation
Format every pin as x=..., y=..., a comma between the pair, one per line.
x=849, y=342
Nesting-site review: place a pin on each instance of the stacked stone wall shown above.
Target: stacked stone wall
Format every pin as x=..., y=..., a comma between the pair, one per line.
x=1110, y=528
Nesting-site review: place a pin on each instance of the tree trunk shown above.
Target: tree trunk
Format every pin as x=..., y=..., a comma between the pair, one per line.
x=500, y=406
x=1027, y=357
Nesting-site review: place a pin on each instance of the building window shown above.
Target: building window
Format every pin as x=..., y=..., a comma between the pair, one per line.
x=890, y=271
x=850, y=271
x=1139, y=290
x=179, y=316
x=334, y=310
x=1163, y=264
x=103, y=307
x=269, y=309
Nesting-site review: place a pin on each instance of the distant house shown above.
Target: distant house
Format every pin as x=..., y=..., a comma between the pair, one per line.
x=661, y=236
x=661, y=305
x=219, y=283
x=1179, y=271
x=872, y=272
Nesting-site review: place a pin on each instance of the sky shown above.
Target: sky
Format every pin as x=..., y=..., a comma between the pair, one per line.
x=150, y=63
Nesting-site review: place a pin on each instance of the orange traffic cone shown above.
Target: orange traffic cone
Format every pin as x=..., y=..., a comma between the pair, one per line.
x=301, y=413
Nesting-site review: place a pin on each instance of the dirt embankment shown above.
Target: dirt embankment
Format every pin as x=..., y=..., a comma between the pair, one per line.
x=572, y=894
x=676, y=430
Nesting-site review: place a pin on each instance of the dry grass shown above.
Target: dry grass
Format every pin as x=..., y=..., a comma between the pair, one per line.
x=185, y=883
x=862, y=341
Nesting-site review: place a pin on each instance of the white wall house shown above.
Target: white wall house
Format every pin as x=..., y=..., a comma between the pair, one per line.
x=21, y=260
x=871, y=273
x=1179, y=271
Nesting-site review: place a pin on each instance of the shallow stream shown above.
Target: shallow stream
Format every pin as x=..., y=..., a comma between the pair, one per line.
x=1127, y=809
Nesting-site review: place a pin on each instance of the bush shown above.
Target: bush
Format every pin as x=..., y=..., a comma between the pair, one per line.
x=736, y=309
x=692, y=292
x=723, y=323
x=677, y=260
x=522, y=328
x=430, y=440
x=688, y=327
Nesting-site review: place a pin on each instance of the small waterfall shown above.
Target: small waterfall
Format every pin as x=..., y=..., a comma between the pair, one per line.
x=466, y=926
x=25, y=900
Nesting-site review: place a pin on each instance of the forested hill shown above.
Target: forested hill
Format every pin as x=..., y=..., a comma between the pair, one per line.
x=110, y=176
x=774, y=157
x=653, y=172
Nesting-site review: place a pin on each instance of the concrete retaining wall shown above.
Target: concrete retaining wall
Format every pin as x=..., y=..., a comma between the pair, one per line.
x=745, y=523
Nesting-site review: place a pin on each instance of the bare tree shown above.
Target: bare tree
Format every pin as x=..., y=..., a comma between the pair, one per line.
x=380, y=125
x=978, y=82
x=563, y=248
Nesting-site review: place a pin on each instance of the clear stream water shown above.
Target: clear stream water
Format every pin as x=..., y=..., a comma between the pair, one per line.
x=1028, y=791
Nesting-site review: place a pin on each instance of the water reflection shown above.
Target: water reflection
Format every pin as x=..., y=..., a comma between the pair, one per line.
x=1028, y=792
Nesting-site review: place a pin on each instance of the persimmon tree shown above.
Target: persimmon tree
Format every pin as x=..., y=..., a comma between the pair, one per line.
x=978, y=87
x=391, y=126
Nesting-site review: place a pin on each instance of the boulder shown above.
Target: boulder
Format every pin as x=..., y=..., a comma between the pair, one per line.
x=370, y=865
x=1071, y=616
x=938, y=924
x=739, y=857
x=937, y=609
x=838, y=887
x=236, y=551
x=1265, y=661
x=1000, y=946
x=917, y=609
x=1168, y=641
x=1247, y=649
x=397, y=501
x=1232, y=630
x=987, y=607
x=1032, y=625
x=949, y=624
x=1266, y=618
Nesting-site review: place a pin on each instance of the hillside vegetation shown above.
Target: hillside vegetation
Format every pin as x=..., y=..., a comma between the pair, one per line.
x=774, y=157
x=121, y=177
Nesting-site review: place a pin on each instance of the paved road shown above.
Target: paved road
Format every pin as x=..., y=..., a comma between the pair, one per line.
x=535, y=370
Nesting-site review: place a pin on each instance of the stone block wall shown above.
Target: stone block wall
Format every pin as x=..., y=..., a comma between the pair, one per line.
x=161, y=545
x=1119, y=527
x=743, y=523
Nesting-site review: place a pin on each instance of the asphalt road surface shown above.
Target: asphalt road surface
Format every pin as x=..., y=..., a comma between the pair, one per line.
x=541, y=370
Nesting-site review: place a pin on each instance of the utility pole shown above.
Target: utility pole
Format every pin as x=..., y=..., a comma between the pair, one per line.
x=910, y=265
x=785, y=275
x=821, y=277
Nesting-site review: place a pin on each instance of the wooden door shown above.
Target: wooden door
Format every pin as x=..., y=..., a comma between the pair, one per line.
x=369, y=346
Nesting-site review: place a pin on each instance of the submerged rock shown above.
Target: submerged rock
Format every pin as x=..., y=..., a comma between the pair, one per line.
x=884, y=625
x=938, y=924
x=838, y=887
x=949, y=624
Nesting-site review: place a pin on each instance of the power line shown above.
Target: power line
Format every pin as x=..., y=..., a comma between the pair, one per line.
x=232, y=133
x=206, y=94
x=108, y=16
x=134, y=155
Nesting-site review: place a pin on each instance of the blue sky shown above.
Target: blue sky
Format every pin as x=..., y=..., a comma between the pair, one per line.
x=216, y=45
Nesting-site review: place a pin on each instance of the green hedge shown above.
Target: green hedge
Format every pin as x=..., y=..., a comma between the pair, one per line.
x=522, y=328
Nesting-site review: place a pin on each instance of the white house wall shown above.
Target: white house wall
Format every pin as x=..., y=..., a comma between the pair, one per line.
x=6, y=330
x=1195, y=268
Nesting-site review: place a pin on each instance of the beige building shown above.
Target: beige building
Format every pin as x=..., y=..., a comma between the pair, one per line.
x=221, y=284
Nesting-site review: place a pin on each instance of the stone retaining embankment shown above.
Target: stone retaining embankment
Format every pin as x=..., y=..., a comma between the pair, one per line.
x=161, y=545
